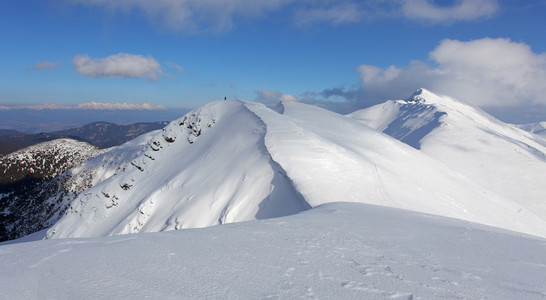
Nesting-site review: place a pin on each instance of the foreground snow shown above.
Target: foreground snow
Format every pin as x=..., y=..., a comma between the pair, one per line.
x=341, y=250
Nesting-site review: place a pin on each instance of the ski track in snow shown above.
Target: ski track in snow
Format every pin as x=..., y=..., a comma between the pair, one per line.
x=342, y=250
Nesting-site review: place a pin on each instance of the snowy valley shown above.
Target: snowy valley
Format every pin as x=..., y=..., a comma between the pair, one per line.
x=413, y=199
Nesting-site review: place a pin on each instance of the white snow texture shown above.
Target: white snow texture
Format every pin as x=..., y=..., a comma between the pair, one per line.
x=334, y=251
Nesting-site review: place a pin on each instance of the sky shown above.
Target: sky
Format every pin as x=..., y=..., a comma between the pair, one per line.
x=139, y=60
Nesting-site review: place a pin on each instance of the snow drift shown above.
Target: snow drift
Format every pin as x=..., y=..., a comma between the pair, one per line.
x=333, y=251
x=235, y=161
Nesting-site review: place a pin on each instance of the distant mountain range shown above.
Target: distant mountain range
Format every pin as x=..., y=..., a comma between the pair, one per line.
x=100, y=134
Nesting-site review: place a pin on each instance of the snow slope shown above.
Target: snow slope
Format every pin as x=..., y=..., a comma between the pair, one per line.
x=102, y=167
x=209, y=167
x=498, y=156
x=235, y=161
x=334, y=251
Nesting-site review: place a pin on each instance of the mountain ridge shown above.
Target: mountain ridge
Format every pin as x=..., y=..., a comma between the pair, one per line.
x=209, y=167
x=100, y=134
x=496, y=155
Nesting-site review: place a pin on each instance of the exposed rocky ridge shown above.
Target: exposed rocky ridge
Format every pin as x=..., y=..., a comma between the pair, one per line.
x=33, y=186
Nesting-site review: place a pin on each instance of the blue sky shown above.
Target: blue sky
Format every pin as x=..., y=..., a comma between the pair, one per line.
x=171, y=55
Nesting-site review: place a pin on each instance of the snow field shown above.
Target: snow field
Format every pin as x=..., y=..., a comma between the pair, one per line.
x=337, y=250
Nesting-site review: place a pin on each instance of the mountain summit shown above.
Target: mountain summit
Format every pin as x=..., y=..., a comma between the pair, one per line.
x=231, y=161
x=496, y=155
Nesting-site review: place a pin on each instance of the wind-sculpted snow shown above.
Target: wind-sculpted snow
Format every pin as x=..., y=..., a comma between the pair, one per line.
x=334, y=251
x=232, y=161
x=407, y=121
x=209, y=167
x=331, y=158
x=498, y=156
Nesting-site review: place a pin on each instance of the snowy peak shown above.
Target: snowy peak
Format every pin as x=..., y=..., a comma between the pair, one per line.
x=425, y=96
x=442, y=102
x=232, y=161
x=407, y=120
x=498, y=156
x=413, y=119
x=209, y=167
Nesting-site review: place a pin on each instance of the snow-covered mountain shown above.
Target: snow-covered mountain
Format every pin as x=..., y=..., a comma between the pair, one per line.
x=31, y=188
x=235, y=161
x=100, y=134
x=105, y=134
x=333, y=251
x=45, y=160
x=33, y=204
x=536, y=128
x=505, y=159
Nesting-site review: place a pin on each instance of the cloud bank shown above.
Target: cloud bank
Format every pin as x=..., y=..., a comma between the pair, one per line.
x=214, y=16
x=271, y=98
x=44, y=65
x=485, y=72
x=88, y=106
x=122, y=65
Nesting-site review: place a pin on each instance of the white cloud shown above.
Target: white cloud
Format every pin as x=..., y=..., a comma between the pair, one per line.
x=338, y=14
x=193, y=16
x=271, y=98
x=44, y=65
x=35, y=107
x=118, y=106
x=88, y=106
x=177, y=67
x=118, y=65
x=486, y=72
x=462, y=10
x=214, y=16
